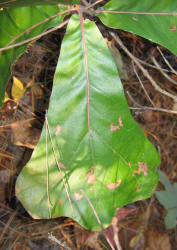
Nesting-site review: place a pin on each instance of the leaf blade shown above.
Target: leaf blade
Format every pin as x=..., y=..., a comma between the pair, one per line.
x=160, y=29
x=94, y=158
x=22, y=3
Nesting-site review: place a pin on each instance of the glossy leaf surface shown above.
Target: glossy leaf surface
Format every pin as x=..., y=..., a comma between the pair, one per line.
x=103, y=156
x=161, y=29
x=14, y=22
x=19, y=3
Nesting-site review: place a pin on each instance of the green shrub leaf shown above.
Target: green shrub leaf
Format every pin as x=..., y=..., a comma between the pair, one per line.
x=168, y=199
x=19, y=3
x=160, y=29
x=12, y=24
x=94, y=153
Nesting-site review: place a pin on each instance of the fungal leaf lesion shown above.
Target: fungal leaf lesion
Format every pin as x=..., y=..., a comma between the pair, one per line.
x=114, y=128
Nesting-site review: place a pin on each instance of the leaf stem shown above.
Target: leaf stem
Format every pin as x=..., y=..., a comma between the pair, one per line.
x=47, y=169
x=86, y=68
x=97, y=218
x=59, y=167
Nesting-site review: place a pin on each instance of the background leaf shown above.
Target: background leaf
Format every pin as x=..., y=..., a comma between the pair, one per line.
x=103, y=154
x=13, y=22
x=19, y=3
x=158, y=28
x=17, y=89
x=168, y=199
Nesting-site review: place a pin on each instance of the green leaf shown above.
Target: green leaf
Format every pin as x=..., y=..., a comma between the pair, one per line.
x=19, y=3
x=168, y=199
x=104, y=156
x=13, y=23
x=160, y=29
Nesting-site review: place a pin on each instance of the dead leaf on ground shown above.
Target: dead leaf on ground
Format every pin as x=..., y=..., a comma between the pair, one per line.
x=23, y=134
x=157, y=240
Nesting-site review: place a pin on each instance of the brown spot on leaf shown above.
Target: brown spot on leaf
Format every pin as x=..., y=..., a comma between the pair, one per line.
x=138, y=189
x=57, y=130
x=114, y=185
x=91, y=176
x=135, y=19
x=114, y=128
x=61, y=165
x=60, y=202
x=173, y=28
x=120, y=122
x=142, y=167
x=78, y=196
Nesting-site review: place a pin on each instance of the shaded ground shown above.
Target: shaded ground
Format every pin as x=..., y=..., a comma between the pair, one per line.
x=141, y=224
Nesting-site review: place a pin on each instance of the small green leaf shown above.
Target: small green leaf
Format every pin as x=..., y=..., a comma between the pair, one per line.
x=160, y=29
x=103, y=157
x=20, y=3
x=12, y=24
x=168, y=199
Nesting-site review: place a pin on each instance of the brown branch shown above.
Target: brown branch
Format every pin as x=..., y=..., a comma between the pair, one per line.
x=167, y=63
x=35, y=37
x=37, y=24
x=152, y=66
x=155, y=109
x=58, y=241
x=85, y=3
x=93, y=4
x=8, y=224
x=140, y=107
x=144, y=71
x=142, y=85
x=162, y=72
